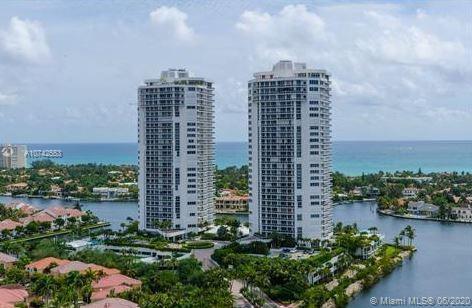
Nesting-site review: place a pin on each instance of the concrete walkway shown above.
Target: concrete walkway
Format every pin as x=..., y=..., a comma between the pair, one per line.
x=239, y=299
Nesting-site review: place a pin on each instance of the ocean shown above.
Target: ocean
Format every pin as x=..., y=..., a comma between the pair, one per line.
x=349, y=157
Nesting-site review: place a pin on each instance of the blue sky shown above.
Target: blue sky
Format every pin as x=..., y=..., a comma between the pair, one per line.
x=402, y=70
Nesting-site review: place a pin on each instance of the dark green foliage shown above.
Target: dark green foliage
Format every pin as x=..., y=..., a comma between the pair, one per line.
x=232, y=178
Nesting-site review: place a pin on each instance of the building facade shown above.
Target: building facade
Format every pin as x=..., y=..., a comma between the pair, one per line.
x=176, y=153
x=13, y=156
x=229, y=201
x=290, y=152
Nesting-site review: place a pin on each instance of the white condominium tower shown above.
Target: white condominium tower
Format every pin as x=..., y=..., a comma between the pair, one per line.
x=176, y=153
x=13, y=156
x=290, y=152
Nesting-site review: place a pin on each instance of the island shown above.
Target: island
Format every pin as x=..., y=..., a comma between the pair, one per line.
x=445, y=196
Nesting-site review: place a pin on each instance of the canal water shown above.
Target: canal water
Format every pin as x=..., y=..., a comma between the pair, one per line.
x=113, y=212
x=442, y=266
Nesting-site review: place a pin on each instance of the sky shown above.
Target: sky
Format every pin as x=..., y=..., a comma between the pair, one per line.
x=69, y=70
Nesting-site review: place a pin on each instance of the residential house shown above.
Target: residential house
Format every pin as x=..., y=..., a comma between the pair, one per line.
x=41, y=265
x=113, y=284
x=370, y=191
x=53, y=213
x=421, y=208
x=371, y=241
x=357, y=192
x=23, y=207
x=110, y=193
x=38, y=217
x=82, y=268
x=229, y=201
x=6, y=260
x=111, y=302
x=462, y=213
x=16, y=187
x=11, y=295
x=9, y=225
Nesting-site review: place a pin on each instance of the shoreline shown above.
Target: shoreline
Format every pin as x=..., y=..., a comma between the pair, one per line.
x=387, y=213
x=359, y=286
x=399, y=260
x=367, y=200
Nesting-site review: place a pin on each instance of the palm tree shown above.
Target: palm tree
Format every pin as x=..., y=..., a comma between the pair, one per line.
x=402, y=234
x=396, y=240
x=410, y=234
x=45, y=286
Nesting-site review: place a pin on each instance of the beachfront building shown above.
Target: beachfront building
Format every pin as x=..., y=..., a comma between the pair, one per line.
x=176, y=153
x=290, y=152
x=13, y=156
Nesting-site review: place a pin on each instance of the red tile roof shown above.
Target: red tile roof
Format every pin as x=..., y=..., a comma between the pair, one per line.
x=11, y=294
x=38, y=217
x=42, y=264
x=115, y=280
x=104, y=293
x=9, y=224
x=70, y=267
x=82, y=267
x=105, y=270
x=112, y=303
x=23, y=207
x=59, y=211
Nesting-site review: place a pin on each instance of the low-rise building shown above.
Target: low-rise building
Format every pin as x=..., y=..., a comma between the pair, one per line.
x=82, y=267
x=421, y=208
x=16, y=187
x=25, y=208
x=110, y=193
x=370, y=191
x=462, y=213
x=111, y=302
x=357, y=192
x=113, y=284
x=7, y=261
x=41, y=265
x=10, y=295
x=9, y=225
x=371, y=241
x=229, y=201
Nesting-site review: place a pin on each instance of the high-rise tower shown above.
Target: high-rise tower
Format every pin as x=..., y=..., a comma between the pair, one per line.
x=290, y=152
x=176, y=153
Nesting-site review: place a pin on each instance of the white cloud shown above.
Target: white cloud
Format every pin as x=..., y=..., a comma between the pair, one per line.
x=385, y=61
x=394, y=41
x=25, y=40
x=173, y=20
x=7, y=99
x=282, y=34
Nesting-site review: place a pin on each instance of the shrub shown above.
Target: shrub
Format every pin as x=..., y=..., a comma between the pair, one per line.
x=199, y=245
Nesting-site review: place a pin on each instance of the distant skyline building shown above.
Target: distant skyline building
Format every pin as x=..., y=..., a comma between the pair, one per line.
x=290, y=152
x=176, y=153
x=13, y=156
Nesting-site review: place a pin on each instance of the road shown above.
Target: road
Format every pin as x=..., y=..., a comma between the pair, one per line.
x=204, y=256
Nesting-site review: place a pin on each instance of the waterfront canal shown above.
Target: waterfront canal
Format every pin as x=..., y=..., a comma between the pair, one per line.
x=441, y=266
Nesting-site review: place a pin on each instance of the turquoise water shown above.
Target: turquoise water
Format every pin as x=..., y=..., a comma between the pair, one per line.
x=350, y=157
